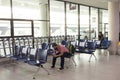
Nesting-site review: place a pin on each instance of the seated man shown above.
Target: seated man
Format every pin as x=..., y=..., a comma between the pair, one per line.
x=59, y=51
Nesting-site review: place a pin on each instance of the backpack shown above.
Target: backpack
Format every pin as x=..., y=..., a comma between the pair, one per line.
x=71, y=49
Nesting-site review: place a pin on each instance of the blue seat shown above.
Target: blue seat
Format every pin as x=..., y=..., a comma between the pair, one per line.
x=50, y=51
x=98, y=44
x=44, y=45
x=17, y=52
x=105, y=44
x=24, y=54
x=32, y=58
x=81, y=46
x=89, y=49
x=78, y=42
x=38, y=57
x=65, y=43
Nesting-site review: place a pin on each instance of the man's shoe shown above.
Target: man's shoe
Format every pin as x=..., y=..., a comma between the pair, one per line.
x=52, y=66
x=61, y=68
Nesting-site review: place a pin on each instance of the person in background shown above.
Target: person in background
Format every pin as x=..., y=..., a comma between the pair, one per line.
x=100, y=36
x=59, y=51
x=85, y=38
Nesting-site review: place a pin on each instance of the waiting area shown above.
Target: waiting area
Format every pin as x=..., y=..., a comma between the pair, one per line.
x=89, y=65
x=105, y=68
x=59, y=40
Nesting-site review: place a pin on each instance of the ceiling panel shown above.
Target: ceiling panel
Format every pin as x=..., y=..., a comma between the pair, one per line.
x=96, y=3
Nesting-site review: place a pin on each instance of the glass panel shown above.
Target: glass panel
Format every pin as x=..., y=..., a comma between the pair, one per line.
x=41, y=28
x=30, y=9
x=84, y=22
x=7, y=47
x=57, y=18
x=5, y=29
x=94, y=23
x=2, y=52
x=72, y=19
x=22, y=28
x=5, y=11
x=103, y=22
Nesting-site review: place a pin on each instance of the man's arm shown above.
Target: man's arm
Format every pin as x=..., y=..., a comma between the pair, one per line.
x=58, y=55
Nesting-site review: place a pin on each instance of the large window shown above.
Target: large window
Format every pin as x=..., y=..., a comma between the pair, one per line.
x=30, y=9
x=57, y=18
x=72, y=19
x=41, y=28
x=5, y=11
x=103, y=22
x=22, y=28
x=36, y=10
x=5, y=29
x=84, y=21
x=94, y=23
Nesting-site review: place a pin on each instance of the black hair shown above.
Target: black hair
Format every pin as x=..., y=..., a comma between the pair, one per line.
x=54, y=44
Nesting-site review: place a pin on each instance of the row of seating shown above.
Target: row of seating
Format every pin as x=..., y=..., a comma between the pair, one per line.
x=90, y=46
x=103, y=44
x=32, y=56
x=7, y=44
x=38, y=56
x=87, y=47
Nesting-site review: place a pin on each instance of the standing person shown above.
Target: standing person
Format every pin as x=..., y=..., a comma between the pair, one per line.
x=59, y=51
x=85, y=38
x=100, y=36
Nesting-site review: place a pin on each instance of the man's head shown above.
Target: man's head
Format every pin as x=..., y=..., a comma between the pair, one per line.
x=54, y=45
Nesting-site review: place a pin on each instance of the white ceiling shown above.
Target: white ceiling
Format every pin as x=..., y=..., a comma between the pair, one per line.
x=96, y=3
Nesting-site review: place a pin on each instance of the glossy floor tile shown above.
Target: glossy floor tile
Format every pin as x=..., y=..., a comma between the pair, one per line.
x=106, y=67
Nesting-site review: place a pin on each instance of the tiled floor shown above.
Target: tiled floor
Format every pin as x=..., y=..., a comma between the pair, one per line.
x=105, y=68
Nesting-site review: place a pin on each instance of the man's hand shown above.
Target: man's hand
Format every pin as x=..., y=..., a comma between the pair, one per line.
x=54, y=55
x=57, y=55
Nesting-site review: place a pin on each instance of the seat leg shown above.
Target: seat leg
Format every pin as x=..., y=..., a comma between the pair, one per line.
x=94, y=56
x=73, y=61
x=106, y=51
x=45, y=69
x=36, y=73
x=79, y=56
x=90, y=57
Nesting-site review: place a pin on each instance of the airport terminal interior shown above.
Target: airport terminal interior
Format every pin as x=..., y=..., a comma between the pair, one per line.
x=28, y=28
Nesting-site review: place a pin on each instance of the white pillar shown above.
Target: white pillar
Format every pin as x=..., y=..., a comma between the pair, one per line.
x=113, y=33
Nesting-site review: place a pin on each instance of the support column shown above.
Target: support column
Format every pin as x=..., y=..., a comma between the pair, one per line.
x=113, y=33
